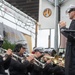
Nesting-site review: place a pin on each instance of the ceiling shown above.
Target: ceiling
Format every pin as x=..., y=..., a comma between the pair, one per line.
x=30, y=7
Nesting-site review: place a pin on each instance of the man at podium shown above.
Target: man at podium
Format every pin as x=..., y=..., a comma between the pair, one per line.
x=70, y=46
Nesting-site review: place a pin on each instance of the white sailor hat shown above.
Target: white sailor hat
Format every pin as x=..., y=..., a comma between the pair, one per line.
x=70, y=8
x=39, y=49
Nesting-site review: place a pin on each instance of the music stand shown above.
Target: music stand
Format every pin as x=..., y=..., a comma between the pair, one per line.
x=68, y=31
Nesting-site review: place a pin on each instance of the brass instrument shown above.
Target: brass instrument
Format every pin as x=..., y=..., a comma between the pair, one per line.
x=36, y=61
x=56, y=60
x=2, y=53
x=59, y=61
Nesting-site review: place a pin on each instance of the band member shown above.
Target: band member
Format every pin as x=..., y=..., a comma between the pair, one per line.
x=4, y=59
x=37, y=70
x=17, y=65
x=51, y=68
x=47, y=56
x=5, y=62
x=48, y=63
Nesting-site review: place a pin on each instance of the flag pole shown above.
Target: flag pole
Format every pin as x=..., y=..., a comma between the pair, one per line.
x=56, y=25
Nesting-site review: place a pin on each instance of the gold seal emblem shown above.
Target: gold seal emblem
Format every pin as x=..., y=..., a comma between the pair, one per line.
x=47, y=12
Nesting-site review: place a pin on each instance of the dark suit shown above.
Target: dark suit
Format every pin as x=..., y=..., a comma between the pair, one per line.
x=4, y=64
x=17, y=67
x=70, y=50
x=53, y=70
x=48, y=70
x=37, y=70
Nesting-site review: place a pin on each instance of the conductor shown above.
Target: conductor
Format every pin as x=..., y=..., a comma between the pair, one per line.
x=70, y=47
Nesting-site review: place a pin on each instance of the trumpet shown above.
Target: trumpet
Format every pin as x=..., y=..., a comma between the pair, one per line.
x=2, y=53
x=36, y=61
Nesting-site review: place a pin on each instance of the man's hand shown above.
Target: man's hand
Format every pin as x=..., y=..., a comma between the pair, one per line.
x=30, y=58
x=62, y=24
x=9, y=52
